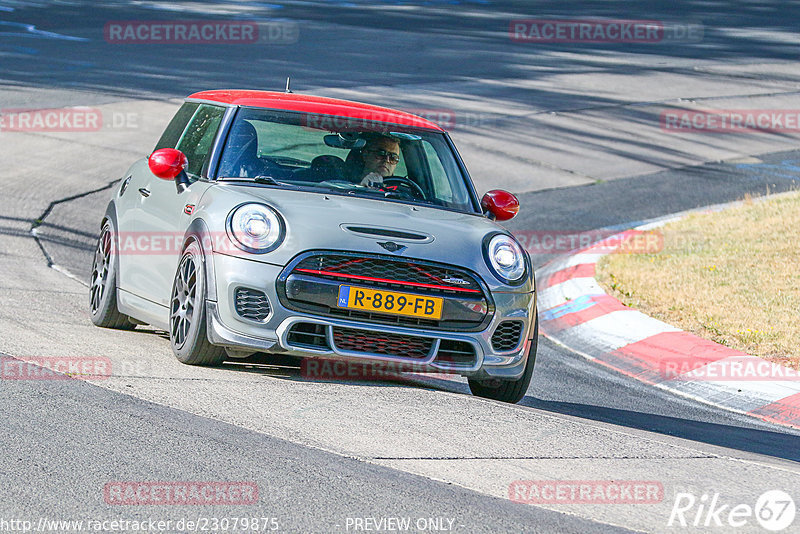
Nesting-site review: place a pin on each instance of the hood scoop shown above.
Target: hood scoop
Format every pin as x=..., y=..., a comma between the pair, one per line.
x=396, y=234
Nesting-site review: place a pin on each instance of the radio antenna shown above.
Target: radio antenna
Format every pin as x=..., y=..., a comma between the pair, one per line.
x=288, y=83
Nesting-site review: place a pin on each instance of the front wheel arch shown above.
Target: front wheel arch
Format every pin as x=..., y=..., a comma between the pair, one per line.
x=511, y=391
x=188, y=321
x=199, y=233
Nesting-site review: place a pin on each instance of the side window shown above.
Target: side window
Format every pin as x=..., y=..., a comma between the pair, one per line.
x=441, y=185
x=176, y=126
x=199, y=136
x=400, y=169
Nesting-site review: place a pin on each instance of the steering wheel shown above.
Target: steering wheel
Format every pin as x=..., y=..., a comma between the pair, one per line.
x=403, y=185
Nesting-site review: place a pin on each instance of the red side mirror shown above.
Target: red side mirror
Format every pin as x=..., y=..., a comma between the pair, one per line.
x=167, y=163
x=502, y=204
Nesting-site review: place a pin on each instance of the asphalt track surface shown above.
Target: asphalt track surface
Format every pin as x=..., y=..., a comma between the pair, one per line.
x=325, y=452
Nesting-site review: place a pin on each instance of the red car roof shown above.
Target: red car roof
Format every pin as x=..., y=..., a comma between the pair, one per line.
x=314, y=104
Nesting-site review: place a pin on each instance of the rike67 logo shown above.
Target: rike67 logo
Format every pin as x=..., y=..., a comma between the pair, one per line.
x=774, y=510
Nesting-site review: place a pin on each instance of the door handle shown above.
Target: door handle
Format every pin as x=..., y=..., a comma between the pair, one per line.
x=144, y=192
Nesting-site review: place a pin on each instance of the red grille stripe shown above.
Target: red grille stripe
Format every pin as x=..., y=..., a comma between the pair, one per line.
x=386, y=280
x=422, y=271
x=349, y=262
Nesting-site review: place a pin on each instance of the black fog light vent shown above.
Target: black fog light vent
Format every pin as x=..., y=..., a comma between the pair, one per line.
x=252, y=304
x=506, y=336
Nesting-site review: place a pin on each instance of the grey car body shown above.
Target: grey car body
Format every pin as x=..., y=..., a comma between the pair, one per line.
x=166, y=257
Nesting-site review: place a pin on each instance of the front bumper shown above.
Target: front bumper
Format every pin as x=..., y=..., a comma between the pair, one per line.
x=226, y=327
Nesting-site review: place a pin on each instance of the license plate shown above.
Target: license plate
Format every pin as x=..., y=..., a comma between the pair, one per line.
x=390, y=302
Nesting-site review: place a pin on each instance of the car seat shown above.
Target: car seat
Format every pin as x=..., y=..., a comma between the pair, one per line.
x=353, y=166
x=322, y=168
x=240, y=159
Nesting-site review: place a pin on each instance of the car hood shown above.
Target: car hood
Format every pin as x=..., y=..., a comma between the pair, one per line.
x=320, y=221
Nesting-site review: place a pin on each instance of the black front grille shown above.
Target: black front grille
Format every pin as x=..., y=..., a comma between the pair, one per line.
x=307, y=335
x=390, y=273
x=353, y=340
x=311, y=284
x=506, y=335
x=456, y=353
x=252, y=304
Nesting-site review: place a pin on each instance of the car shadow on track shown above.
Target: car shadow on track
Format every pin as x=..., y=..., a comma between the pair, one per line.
x=292, y=368
x=753, y=440
x=759, y=441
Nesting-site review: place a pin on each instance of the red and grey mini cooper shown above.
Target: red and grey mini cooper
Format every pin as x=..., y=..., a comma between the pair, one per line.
x=319, y=228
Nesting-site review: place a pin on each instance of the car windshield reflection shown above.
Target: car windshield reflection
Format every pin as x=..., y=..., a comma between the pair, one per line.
x=371, y=159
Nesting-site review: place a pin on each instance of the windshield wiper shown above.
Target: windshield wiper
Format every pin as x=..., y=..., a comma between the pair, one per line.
x=267, y=180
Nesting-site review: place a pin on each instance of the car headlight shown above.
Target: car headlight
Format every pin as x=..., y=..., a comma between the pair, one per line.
x=506, y=259
x=255, y=228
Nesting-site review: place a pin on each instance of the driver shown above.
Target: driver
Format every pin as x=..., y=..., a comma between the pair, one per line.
x=380, y=156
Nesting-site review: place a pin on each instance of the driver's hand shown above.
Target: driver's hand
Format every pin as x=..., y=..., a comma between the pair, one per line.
x=373, y=179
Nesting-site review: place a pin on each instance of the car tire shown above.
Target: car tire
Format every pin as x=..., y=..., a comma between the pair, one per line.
x=511, y=391
x=103, y=283
x=187, y=319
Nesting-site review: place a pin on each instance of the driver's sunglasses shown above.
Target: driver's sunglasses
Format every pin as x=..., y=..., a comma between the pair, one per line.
x=384, y=154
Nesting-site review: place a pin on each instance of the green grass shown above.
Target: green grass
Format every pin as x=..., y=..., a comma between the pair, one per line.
x=731, y=276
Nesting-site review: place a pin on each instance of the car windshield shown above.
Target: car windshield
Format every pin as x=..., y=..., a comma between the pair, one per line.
x=344, y=156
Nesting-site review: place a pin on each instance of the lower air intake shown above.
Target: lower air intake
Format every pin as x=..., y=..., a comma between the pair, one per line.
x=307, y=335
x=352, y=340
x=456, y=353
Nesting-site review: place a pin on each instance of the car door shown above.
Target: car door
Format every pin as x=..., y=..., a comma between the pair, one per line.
x=165, y=211
x=130, y=198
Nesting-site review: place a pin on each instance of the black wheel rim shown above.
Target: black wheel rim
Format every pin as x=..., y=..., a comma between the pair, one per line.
x=184, y=298
x=100, y=265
